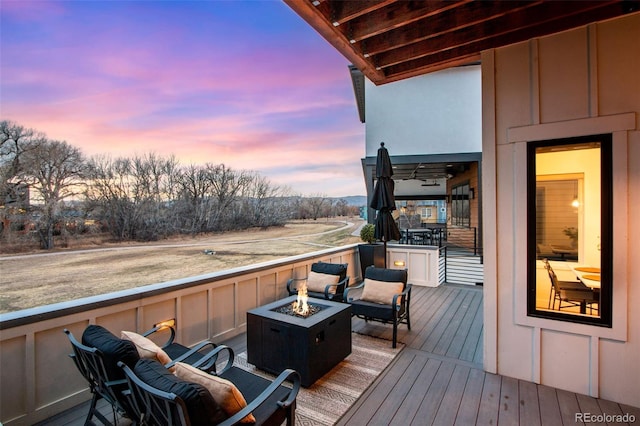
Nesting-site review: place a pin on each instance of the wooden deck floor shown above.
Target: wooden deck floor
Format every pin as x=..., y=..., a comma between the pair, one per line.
x=438, y=378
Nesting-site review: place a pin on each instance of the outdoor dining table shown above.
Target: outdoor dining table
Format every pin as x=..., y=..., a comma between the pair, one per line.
x=422, y=236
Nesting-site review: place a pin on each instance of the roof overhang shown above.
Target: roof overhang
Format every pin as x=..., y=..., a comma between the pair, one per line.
x=390, y=40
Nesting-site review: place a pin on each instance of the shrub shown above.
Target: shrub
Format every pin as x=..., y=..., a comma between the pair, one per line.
x=367, y=233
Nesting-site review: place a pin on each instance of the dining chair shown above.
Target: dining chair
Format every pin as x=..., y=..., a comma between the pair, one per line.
x=569, y=293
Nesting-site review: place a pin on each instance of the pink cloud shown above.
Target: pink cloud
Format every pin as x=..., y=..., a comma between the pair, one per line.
x=129, y=83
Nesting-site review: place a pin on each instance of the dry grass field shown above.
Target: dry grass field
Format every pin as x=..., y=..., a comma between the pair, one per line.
x=43, y=278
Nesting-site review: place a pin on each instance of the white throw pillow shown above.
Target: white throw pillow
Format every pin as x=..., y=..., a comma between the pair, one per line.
x=381, y=291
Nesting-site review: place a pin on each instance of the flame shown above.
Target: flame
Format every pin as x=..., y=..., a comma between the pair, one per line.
x=300, y=306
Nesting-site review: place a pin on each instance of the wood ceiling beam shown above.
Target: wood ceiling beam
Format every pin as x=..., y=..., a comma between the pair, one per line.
x=540, y=16
x=443, y=23
x=343, y=11
x=307, y=11
x=468, y=50
x=393, y=16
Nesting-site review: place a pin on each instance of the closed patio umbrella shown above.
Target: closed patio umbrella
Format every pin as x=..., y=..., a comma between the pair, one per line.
x=384, y=201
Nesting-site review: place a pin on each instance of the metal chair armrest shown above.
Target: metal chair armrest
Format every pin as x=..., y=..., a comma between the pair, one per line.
x=197, y=348
x=405, y=292
x=339, y=286
x=291, y=290
x=288, y=374
x=348, y=289
x=161, y=327
x=207, y=362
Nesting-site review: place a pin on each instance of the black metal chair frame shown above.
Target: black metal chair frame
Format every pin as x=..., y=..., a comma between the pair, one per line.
x=327, y=295
x=400, y=312
x=90, y=363
x=158, y=407
x=569, y=293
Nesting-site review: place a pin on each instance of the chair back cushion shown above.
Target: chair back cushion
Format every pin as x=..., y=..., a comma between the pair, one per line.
x=112, y=349
x=201, y=407
x=224, y=392
x=381, y=291
x=317, y=281
x=146, y=347
x=339, y=269
x=384, y=274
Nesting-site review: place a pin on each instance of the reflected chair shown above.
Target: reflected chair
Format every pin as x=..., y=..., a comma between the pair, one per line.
x=188, y=398
x=385, y=298
x=96, y=358
x=569, y=294
x=325, y=281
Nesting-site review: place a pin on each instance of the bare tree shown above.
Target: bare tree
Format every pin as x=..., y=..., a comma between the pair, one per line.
x=317, y=205
x=265, y=204
x=226, y=187
x=55, y=171
x=194, y=203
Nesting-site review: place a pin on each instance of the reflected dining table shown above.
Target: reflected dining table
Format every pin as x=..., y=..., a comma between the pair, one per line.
x=589, y=276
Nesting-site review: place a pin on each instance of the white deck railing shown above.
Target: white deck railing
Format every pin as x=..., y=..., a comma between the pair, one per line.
x=38, y=378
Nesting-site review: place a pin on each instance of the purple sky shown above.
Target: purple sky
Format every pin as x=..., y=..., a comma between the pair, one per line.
x=244, y=83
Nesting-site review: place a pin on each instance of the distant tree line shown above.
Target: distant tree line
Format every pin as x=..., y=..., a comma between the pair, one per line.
x=144, y=198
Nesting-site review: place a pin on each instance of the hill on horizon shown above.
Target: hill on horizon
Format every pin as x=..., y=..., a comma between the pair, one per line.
x=354, y=200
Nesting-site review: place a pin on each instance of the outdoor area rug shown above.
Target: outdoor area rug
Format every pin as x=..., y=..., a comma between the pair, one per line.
x=324, y=402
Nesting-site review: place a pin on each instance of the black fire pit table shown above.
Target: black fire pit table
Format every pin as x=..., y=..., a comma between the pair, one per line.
x=311, y=345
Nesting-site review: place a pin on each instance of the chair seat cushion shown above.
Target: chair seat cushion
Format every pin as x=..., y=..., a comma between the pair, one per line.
x=113, y=350
x=201, y=407
x=146, y=347
x=381, y=291
x=224, y=392
x=373, y=310
x=251, y=387
x=317, y=281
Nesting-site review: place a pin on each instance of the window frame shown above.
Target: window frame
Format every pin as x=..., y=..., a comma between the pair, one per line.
x=606, y=231
x=457, y=200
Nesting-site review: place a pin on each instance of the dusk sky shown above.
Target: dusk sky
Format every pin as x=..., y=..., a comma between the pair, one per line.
x=244, y=83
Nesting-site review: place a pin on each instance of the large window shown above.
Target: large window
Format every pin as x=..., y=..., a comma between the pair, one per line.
x=569, y=229
x=460, y=205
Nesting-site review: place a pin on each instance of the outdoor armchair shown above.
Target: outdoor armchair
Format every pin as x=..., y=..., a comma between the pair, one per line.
x=97, y=357
x=385, y=298
x=193, y=397
x=325, y=281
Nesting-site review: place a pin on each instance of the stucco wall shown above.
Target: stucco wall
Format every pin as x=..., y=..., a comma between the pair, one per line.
x=575, y=83
x=437, y=113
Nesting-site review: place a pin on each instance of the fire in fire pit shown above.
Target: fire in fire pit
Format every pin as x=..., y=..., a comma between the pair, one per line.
x=300, y=307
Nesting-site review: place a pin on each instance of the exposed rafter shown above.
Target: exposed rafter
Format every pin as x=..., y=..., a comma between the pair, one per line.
x=389, y=40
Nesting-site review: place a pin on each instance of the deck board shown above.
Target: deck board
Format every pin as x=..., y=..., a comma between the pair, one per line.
x=468, y=410
x=509, y=410
x=437, y=379
x=489, y=401
x=528, y=402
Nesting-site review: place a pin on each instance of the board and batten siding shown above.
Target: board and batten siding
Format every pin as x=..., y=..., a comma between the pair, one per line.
x=579, y=82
